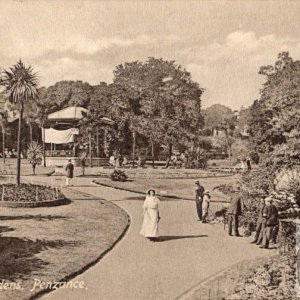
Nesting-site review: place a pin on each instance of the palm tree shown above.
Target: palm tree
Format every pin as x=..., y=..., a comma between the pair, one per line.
x=34, y=154
x=20, y=84
x=3, y=124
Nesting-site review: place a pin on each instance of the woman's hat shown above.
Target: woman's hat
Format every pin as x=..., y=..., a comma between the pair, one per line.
x=149, y=190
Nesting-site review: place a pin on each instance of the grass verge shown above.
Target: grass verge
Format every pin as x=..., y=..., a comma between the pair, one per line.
x=57, y=243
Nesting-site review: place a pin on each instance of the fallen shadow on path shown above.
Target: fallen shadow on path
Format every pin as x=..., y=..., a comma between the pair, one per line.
x=178, y=237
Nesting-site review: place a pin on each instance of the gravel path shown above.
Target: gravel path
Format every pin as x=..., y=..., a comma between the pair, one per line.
x=137, y=269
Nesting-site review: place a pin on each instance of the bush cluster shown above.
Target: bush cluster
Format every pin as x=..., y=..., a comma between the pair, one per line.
x=275, y=279
x=118, y=175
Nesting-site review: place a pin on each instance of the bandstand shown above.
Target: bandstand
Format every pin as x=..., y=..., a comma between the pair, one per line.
x=59, y=136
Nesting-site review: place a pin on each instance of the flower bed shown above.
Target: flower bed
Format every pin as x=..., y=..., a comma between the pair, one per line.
x=274, y=279
x=30, y=195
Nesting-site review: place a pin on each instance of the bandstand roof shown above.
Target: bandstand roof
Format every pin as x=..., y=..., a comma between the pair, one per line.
x=69, y=113
x=74, y=113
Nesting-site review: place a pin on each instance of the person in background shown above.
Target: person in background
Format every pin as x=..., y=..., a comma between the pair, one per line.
x=234, y=211
x=248, y=162
x=151, y=216
x=174, y=159
x=112, y=160
x=271, y=223
x=125, y=161
x=260, y=224
x=121, y=160
x=69, y=172
x=205, y=206
x=199, y=191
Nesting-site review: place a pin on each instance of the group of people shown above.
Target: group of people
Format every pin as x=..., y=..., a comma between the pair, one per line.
x=118, y=160
x=182, y=159
x=267, y=223
x=10, y=153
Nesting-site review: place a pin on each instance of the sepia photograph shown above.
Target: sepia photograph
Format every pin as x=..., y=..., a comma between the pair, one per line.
x=149, y=150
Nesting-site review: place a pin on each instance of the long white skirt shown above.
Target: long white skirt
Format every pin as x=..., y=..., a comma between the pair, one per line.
x=150, y=223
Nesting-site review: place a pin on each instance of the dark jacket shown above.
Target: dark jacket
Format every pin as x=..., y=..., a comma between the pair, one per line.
x=261, y=218
x=199, y=193
x=69, y=170
x=235, y=207
x=272, y=215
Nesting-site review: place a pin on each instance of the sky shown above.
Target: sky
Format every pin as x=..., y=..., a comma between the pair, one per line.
x=221, y=43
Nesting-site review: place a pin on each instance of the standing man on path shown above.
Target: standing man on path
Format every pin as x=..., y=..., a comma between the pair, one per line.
x=271, y=222
x=234, y=211
x=199, y=191
x=69, y=172
x=261, y=223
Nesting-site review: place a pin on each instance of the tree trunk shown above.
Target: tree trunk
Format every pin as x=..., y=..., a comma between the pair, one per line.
x=106, y=152
x=90, y=148
x=44, y=149
x=133, y=147
x=169, y=157
x=18, y=173
x=229, y=152
x=3, y=144
x=30, y=131
x=97, y=138
x=33, y=169
x=152, y=153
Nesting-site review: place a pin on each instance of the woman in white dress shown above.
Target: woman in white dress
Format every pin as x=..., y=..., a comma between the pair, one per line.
x=151, y=216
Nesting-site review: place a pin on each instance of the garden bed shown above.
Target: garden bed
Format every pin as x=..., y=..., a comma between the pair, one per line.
x=30, y=195
x=264, y=278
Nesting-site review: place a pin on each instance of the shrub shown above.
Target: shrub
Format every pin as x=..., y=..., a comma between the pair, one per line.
x=34, y=154
x=254, y=157
x=118, y=175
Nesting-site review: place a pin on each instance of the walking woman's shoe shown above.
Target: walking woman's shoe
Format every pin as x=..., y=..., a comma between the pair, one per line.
x=254, y=242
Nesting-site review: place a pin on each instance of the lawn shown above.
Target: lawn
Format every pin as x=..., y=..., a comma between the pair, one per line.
x=49, y=244
x=172, y=188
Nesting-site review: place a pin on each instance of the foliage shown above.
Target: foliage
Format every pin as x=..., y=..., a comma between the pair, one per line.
x=197, y=159
x=273, y=279
x=215, y=115
x=275, y=118
x=118, y=175
x=34, y=154
x=64, y=94
x=20, y=83
x=157, y=99
x=28, y=192
x=275, y=130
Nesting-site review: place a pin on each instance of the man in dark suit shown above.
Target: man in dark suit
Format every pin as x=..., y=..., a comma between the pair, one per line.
x=69, y=172
x=261, y=223
x=199, y=191
x=271, y=222
x=234, y=211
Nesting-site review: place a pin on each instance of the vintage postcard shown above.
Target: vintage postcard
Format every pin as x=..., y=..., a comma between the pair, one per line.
x=149, y=150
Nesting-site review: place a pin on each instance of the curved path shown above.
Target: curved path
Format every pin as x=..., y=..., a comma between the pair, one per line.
x=137, y=269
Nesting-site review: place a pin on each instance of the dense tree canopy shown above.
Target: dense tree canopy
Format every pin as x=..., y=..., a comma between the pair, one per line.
x=216, y=114
x=275, y=117
x=64, y=94
x=157, y=99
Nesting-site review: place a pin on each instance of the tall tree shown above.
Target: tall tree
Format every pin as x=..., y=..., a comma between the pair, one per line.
x=162, y=98
x=275, y=117
x=66, y=93
x=20, y=84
